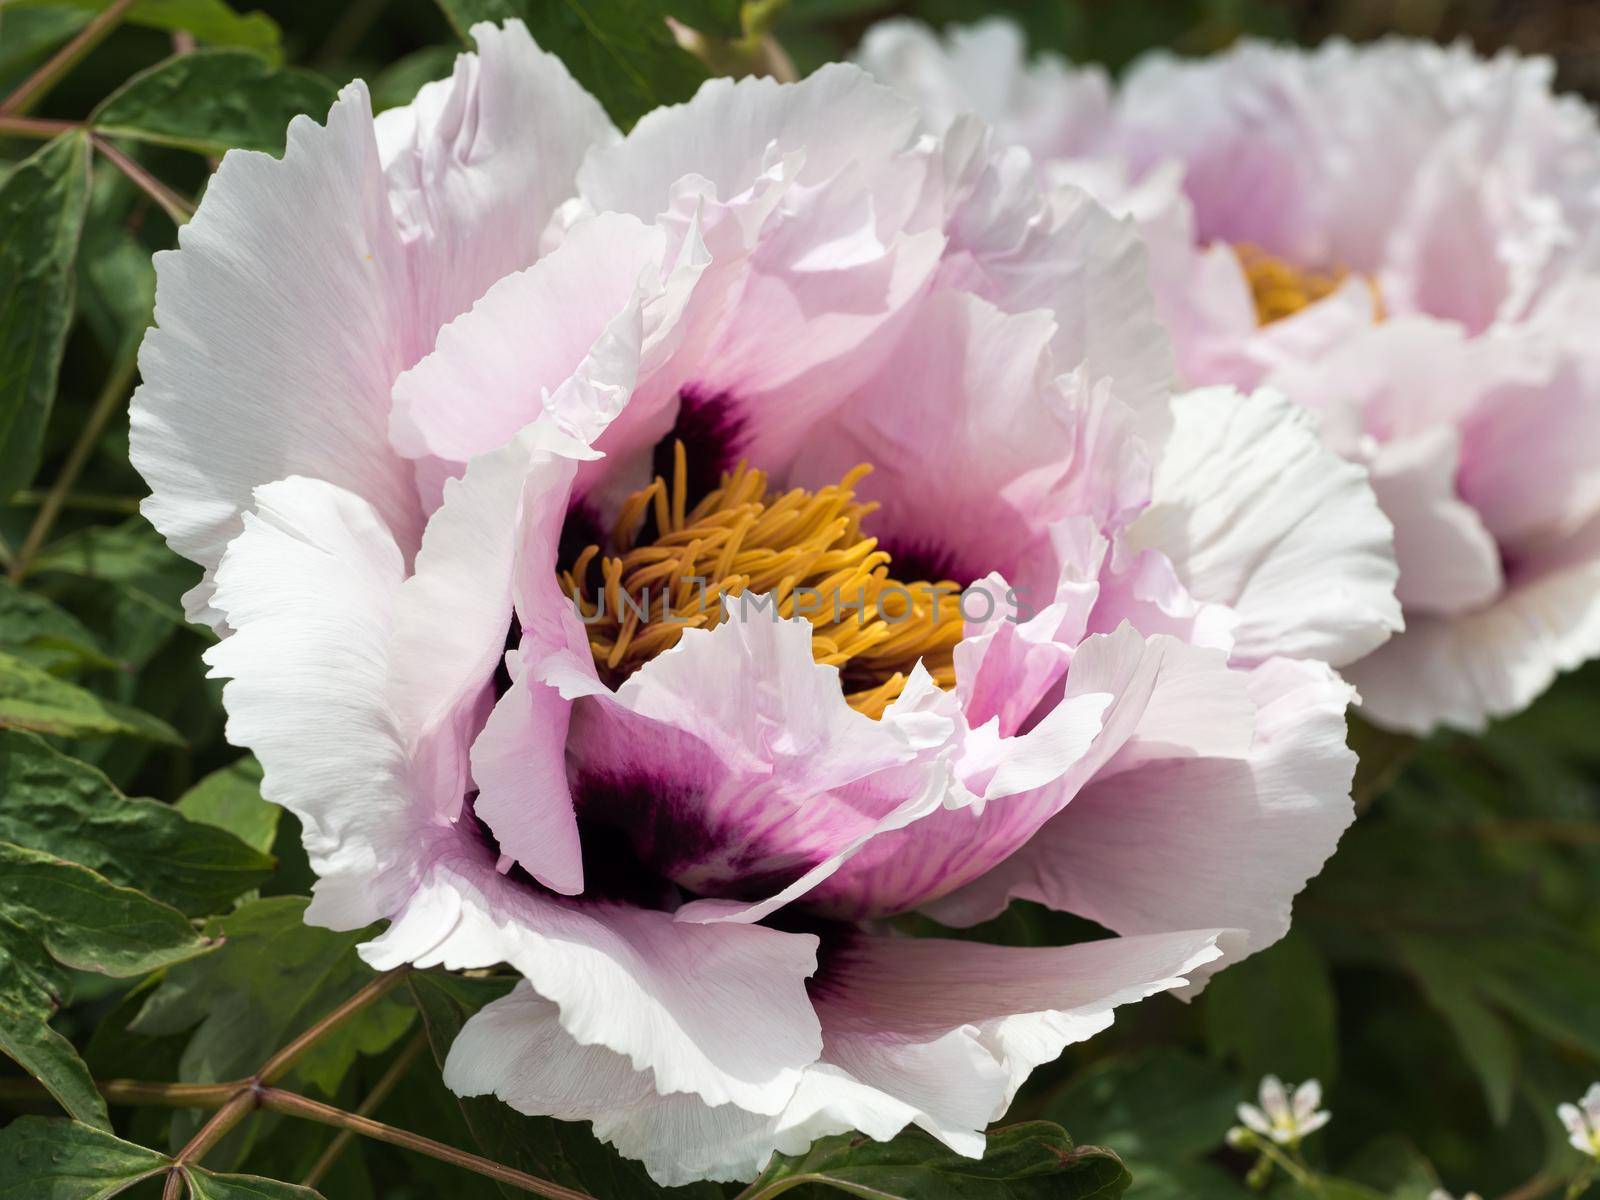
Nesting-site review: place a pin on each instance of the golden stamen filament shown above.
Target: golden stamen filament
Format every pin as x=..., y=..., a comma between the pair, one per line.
x=1281, y=289
x=804, y=551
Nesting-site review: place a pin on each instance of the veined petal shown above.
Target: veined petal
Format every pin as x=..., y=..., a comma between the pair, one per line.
x=1255, y=513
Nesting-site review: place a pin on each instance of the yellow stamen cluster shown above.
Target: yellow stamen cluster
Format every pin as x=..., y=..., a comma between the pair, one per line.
x=1282, y=289
x=804, y=551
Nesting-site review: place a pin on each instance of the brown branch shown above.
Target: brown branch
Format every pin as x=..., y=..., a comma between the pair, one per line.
x=35, y=127
x=33, y=88
x=108, y=402
x=174, y=205
x=277, y=1100
x=273, y=1069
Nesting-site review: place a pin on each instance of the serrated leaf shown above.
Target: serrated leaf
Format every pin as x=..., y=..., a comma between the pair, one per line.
x=1031, y=1161
x=622, y=51
x=56, y=915
x=53, y=803
x=211, y=21
x=560, y=1151
x=1274, y=1013
x=230, y=798
x=1161, y=1105
x=35, y=700
x=46, y=635
x=272, y=978
x=42, y=203
x=208, y=1185
x=212, y=101
x=48, y=1158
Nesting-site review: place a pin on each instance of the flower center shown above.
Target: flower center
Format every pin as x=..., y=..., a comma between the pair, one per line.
x=1281, y=289
x=792, y=554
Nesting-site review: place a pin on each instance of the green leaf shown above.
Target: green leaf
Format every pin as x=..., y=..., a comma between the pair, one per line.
x=1549, y=981
x=42, y=202
x=1161, y=1105
x=399, y=82
x=1274, y=1013
x=130, y=555
x=211, y=21
x=116, y=278
x=1344, y=1189
x=207, y=1185
x=67, y=808
x=29, y=34
x=557, y=1150
x=715, y=18
x=1184, y=1181
x=620, y=50
x=212, y=101
x=47, y=1158
x=34, y=699
x=1448, y=980
x=273, y=977
x=55, y=915
x=1032, y=1161
x=41, y=633
x=230, y=798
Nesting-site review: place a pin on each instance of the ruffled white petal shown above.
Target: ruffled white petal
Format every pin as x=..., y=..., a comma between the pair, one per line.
x=309, y=588
x=719, y=1011
x=1254, y=512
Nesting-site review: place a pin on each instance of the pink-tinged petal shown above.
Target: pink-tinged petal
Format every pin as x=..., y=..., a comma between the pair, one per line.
x=280, y=323
x=1022, y=249
x=1022, y=782
x=716, y=1010
x=516, y=1049
x=732, y=130
x=937, y=1034
x=477, y=164
x=305, y=285
x=955, y=1028
x=491, y=373
x=1448, y=561
x=1224, y=839
x=1528, y=463
x=1463, y=670
x=975, y=449
x=309, y=588
x=1256, y=513
x=451, y=614
x=732, y=763
x=1470, y=243
x=1046, y=106
x=1142, y=589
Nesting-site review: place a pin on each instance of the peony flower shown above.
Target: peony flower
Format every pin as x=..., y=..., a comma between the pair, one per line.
x=658, y=563
x=1326, y=222
x=1582, y=1121
x=1286, y=1119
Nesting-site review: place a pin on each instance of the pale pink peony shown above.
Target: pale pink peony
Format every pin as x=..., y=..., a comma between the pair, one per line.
x=402, y=378
x=1406, y=239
